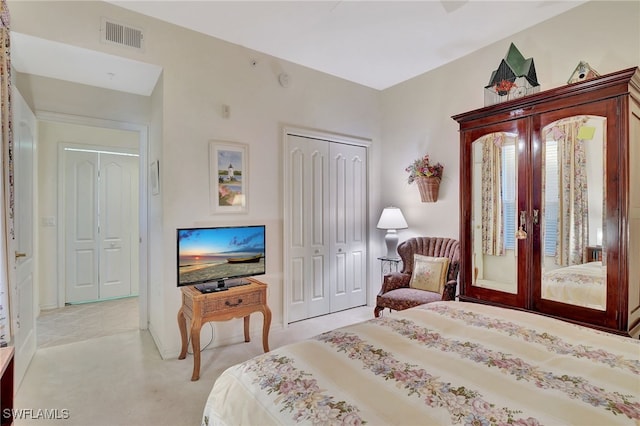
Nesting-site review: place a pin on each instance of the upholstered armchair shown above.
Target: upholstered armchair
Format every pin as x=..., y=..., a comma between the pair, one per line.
x=400, y=292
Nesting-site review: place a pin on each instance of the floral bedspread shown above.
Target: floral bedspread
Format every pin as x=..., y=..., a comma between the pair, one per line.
x=438, y=364
x=582, y=285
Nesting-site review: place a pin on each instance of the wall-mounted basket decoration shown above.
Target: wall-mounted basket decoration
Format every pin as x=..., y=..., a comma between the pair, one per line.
x=428, y=187
x=515, y=77
x=427, y=176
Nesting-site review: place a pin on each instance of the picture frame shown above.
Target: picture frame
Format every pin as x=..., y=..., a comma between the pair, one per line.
x=228, y=177
x=154, y=177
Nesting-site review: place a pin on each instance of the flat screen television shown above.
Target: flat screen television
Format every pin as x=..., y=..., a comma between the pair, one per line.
x=217, y=258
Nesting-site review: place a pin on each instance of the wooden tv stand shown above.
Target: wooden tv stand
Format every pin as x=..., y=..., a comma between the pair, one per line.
x=200, y=308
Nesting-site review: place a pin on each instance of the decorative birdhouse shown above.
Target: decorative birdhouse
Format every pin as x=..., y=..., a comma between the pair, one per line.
x=515, y=77
x=582, y=72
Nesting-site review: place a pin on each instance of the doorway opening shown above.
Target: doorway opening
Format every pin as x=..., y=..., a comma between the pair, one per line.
x=138, y=233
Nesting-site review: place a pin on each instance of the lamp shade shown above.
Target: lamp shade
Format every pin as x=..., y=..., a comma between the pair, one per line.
x=392, y=218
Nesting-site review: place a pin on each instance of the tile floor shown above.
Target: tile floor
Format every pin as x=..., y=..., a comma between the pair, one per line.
x=116, y=375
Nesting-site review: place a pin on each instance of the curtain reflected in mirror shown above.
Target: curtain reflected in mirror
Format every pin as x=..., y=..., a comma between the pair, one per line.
x=493, y=216
x=572, y=225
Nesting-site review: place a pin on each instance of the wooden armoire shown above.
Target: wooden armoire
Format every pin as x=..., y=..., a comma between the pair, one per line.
x=546, y=181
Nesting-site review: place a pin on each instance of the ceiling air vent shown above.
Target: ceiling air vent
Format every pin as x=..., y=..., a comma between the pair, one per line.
x=123, y=35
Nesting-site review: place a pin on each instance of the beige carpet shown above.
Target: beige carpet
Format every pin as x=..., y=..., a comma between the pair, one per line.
x=120, y=379
x=84, y=321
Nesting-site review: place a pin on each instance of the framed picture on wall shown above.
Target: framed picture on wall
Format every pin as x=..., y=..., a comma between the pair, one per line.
x=154, y=177
x=229, y=173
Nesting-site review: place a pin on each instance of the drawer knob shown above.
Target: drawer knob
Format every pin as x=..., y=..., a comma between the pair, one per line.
x=233, y=304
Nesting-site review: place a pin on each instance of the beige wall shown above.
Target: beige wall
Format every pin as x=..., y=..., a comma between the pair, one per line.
x=200, y=74
x=416, y=114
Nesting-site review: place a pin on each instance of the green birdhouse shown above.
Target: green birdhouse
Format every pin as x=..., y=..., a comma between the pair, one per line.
x=515, y=77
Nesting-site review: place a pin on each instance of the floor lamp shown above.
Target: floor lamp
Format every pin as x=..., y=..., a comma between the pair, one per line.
x=392, y=219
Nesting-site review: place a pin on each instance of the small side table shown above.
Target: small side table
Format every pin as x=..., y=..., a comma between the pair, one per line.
x=389, y=264
x=237, y=302
x=592, y=254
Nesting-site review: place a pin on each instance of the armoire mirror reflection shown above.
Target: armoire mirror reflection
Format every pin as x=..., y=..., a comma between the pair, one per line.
x=573, y=227
x=571, y=218
x=493, y=212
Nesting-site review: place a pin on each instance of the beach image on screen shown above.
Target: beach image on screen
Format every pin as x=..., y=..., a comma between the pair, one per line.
x=212, y=254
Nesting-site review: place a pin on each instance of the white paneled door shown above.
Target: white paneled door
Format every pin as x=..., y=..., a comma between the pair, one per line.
x=348, y=225
x=23, y=298
x=308, y=241
x=101, y=224
x=325, y=220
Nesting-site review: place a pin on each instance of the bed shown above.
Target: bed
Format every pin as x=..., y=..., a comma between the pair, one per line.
x=438, y=364
x=582, y=285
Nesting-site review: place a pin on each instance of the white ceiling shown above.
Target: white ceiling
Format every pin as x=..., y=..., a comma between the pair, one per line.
x=374, y=43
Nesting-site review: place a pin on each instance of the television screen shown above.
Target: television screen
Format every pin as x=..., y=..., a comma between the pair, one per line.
x=215, y=255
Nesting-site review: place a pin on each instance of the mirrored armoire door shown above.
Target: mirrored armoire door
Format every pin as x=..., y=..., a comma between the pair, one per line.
x=571, y=186
x=499, y=260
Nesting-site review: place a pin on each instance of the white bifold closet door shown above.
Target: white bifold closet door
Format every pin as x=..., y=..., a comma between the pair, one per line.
x=326, y=220
x=101, y=225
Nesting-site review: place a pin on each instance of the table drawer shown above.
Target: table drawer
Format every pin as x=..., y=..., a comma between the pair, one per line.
x=232, y=302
